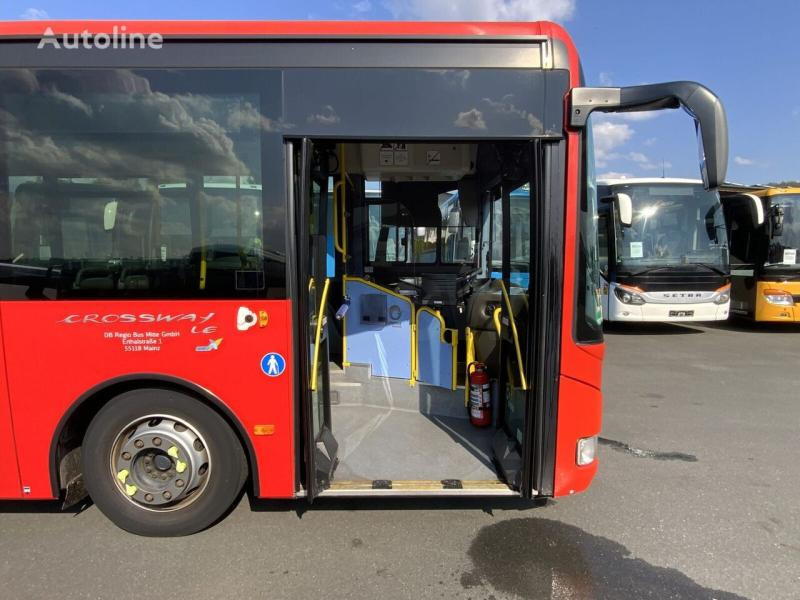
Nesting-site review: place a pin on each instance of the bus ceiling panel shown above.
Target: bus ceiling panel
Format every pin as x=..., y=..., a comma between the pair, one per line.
x=222, y=54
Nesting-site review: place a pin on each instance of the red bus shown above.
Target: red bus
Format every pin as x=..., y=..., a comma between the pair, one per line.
x=272, y=254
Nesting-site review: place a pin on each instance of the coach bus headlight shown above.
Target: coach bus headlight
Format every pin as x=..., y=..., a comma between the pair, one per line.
x=628, y=295
x=778, y=297
x=723, y=294
x=587, y=450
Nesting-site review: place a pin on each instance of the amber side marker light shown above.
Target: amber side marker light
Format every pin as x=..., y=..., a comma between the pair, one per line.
x=263, y=429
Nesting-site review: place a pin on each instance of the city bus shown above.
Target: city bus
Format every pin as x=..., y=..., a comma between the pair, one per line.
x=663, y=251
x=223, y=264
x=764, y=230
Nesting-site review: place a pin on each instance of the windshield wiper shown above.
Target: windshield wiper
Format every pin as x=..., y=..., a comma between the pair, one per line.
x=648, y=270
x=710, y=267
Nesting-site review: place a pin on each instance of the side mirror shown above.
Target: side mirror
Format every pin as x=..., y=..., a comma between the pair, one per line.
x=777, y=220
x=624, y=206
x=110, y=215
x=706, y=109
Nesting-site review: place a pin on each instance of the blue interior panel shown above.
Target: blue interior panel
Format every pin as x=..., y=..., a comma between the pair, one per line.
x=330, y=262
x=378, y=330
x=434, y=357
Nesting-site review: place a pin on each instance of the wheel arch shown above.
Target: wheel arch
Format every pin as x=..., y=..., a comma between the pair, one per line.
x=69, y=432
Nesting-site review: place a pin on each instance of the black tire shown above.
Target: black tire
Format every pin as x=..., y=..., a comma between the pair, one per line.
x=225, y=476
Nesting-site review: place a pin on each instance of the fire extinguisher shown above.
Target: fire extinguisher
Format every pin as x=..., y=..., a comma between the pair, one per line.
x=480, y=395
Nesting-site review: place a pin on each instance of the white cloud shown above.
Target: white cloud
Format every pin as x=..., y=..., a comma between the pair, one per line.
x=607, y=137
x=471, y=119
x=638, y=157
x=743, y=162
x=34, y=14
x=605, y=79
x=643, y=162
x=636, y=116
x=482, y=10
x=650, y=141
x=363, y=6
x=796, y=112
x=327, y=116
x=614, y=175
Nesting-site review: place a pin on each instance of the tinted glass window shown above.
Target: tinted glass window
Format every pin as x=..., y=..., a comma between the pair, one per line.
x=139, y=184
x=449, y=103
x=589, y=313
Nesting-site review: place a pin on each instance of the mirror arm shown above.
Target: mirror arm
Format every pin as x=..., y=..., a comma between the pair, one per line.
x=696, y=99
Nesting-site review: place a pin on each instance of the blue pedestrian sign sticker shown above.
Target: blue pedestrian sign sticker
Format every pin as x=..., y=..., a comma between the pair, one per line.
x=273, y=364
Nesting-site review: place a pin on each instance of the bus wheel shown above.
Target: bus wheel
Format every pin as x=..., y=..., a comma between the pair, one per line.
x=159, y=463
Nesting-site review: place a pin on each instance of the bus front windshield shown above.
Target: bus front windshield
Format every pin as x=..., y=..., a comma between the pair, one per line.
x=673, y=224
x=785, y=239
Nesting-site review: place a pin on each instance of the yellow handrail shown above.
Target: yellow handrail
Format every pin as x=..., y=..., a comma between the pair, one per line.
x=523, y=381
x=337, y=243
x=318, y=333
x=496, y=319
x=340, y=207
x=470, y=358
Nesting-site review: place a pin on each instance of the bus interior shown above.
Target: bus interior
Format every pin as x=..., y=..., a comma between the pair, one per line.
x=417, y=257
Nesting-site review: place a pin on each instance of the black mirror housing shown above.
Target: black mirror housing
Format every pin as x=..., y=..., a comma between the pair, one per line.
x=706, y=108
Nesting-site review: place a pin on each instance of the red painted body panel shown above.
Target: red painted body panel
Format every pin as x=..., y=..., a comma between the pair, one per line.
x=231, y=376
x=53, y=363
x=583, y=405
x=579, y=406
x=9, y=470
x=283, y=28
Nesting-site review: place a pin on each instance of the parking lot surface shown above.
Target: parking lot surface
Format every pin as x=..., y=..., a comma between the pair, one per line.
x=697, y=497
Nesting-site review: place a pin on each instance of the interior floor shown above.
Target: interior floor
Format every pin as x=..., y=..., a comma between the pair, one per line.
x=389, y=430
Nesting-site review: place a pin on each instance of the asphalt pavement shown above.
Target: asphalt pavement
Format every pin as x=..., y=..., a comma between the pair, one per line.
x=697, y=497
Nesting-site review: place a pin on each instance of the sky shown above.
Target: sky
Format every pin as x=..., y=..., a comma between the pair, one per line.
x=746, y=52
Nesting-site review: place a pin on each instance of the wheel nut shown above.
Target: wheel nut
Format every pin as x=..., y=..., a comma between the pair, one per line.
x=138, y=443
x=148, y=497
x=179, y=482
x=126, y=455
x=167, y=495
x=156, y=441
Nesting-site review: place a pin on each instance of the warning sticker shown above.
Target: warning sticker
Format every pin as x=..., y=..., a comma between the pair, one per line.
x=386, y=155
x=400, y=155
x=434, y=157
x=393, y=155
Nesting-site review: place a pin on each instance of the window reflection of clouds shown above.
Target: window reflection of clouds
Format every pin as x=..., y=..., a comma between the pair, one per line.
x=59, y=129
x=327, y=116
x=470, y=119
x=417, y=102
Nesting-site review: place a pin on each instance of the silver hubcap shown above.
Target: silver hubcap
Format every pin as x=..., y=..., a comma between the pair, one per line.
x=160, y=463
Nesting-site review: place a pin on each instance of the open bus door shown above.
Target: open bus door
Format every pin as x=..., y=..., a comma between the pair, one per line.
x=313, y=286
x=527, y=342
